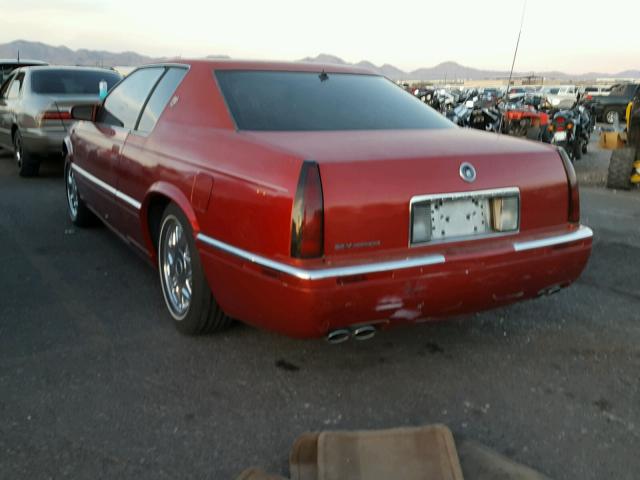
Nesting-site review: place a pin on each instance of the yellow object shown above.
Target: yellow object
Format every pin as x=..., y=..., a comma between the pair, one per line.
x=628, y=114
x=635, y=178
x=612, y=140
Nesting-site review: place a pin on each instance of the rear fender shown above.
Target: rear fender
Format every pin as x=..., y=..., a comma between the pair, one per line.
x=175, y=195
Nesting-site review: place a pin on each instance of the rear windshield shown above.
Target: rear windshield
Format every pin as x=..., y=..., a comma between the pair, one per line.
x=313, y=101
x=68, y=81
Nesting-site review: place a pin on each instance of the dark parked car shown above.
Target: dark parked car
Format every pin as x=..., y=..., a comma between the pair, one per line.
x=606, y=107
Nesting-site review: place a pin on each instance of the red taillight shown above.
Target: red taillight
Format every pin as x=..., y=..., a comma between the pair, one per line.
x=56, y=115
x=589, y=97
x=307, y=220
x=574, y=192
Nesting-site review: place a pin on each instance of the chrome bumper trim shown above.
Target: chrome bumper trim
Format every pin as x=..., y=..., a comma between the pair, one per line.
x=105, y=186
x=363, y=269
x=581, y=233
x=323, y=273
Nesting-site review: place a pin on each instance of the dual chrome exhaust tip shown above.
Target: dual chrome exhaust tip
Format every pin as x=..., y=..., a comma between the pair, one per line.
x=363, y=332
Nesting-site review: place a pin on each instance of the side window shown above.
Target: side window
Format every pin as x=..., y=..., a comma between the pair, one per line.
x=16, y=86
x=159, y=98
x=122, y=107
x=5, y=86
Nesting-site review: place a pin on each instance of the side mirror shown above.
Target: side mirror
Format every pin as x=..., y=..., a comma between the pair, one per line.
x=83, y=112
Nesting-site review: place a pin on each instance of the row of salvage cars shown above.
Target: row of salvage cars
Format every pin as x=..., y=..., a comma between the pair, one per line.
x=318, y=201
x=555, y=115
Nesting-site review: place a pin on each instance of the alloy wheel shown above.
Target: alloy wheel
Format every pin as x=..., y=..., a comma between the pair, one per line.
x=72, y=193
x=176, y=273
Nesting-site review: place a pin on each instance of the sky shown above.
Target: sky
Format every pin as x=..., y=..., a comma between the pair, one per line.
x=574, y=37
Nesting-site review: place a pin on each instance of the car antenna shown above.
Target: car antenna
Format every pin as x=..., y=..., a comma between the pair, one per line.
x=323, y=76
x=513, y=62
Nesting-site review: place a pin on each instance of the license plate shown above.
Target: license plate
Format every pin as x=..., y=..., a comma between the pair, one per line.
x=456, y=216
x=459, y=218
x=560, y=136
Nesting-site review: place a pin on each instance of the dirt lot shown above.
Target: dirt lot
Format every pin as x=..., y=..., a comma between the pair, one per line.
x=96, y=383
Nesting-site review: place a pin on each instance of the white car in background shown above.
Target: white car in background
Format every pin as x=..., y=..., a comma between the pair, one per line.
x=596, y=91
x=561, y=96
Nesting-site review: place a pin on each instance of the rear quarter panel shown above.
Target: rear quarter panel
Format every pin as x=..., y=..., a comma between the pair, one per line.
x=252, y=186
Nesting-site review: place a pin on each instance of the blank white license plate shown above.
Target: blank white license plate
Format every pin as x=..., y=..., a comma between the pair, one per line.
x=560, y=136
x=460, y=217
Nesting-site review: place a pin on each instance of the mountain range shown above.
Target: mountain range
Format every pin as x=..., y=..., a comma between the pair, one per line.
x=62, y=55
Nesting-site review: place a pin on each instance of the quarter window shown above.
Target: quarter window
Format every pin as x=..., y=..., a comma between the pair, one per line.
x=159, y=98
x=122, y=107
x=5, y=86
x=16, y=86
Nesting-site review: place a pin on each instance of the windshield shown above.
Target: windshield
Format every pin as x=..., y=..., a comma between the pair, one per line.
x=312, y=101
x=71, y=81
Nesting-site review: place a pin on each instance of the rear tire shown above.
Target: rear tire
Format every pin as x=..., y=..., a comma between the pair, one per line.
x=79, y=213
x=187, y=294
x=28, y=166
x=620, y=168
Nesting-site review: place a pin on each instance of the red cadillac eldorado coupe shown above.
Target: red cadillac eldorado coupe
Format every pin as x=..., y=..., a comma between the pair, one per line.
x=319, y=200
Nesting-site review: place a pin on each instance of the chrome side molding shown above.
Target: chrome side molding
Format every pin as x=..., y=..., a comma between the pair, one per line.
x=582, y=233
x=105, y=186
x=322, y=273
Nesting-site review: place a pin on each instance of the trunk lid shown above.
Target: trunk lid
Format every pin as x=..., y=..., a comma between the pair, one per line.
x=370, y=177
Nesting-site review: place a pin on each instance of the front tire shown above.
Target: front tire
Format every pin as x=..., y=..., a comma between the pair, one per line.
x=620, y=168
x=79, y=213
x=186, y=292
x=28, y=166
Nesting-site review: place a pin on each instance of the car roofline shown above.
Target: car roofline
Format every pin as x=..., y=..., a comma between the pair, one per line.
x=230, y=64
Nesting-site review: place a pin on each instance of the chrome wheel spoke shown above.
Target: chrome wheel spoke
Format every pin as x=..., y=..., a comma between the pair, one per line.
x=72, y=193
x=176, y=270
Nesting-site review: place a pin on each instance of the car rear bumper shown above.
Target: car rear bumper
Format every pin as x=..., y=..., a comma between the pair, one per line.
x=43, y=141
x=309, y=302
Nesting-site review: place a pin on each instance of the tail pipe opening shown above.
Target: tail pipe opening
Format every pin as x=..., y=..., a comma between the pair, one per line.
x=338, y=336
x=365, y=332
